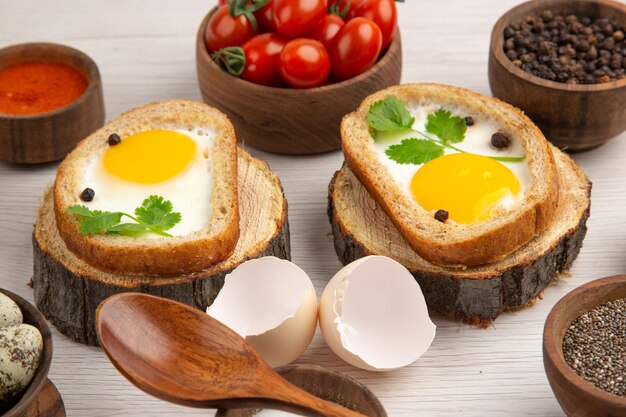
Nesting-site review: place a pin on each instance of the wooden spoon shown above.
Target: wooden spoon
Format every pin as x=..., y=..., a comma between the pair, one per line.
x=182, y=355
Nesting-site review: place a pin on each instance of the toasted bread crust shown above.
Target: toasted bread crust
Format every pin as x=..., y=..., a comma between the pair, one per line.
x=163, y=257
x=450, y=244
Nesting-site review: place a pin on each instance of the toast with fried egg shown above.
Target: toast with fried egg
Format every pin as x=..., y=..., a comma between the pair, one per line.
x=486, y=224
x=180, y=152
x=476, y=294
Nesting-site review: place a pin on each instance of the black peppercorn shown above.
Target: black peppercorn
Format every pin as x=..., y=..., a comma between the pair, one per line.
x=87, y=195
x=441, y=215
x=500, y=141
x=469, y=121
x=567, y=48
x=114, y=139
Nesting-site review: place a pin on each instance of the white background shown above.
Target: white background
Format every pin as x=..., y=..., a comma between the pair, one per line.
x=145, y=52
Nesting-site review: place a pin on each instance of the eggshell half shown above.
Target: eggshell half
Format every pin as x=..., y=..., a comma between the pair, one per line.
x=20, y=351
x=373, y=315
x=272, y=303
x=10, y=313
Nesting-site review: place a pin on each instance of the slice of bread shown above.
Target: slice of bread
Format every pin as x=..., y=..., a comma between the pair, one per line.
x=479, y=293
x=450, y=243
x=68, y=290
x=168, y=256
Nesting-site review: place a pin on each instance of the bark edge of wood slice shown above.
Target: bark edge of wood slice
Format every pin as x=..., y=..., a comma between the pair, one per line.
x=68, y=290
x=476, y=294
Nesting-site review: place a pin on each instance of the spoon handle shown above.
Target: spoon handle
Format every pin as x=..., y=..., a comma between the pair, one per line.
x=293, y=397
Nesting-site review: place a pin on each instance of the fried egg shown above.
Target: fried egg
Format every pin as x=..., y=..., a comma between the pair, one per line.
x=174, y=164
x=470, y=186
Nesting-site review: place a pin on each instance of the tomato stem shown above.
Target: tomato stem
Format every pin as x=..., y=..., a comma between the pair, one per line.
x=335, y=8
x=247, y=8
x=231, y=59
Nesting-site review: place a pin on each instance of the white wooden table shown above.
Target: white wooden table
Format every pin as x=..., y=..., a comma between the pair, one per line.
x=145, y=52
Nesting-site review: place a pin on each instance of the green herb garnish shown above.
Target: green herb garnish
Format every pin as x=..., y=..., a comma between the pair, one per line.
x=443, y=130
x=389, y=115
x=446, y=127
x=414, y=151
x=154, y=215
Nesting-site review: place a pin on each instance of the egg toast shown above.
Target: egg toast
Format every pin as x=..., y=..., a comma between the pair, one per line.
x=481, y=293
x=466, y=179
x=152, y=192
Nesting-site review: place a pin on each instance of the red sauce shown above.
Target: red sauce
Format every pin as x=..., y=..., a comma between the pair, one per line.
x=38, y=87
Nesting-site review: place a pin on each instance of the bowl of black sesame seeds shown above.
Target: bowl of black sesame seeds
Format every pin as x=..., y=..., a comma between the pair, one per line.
x=584, y=349
x=563, y=62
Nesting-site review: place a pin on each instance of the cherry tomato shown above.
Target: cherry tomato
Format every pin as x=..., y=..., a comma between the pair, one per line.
x=327, y=28
x=295, y=18
x=264, y=18
x=263, y=59
x=304, y=63
x=221, y=2
x=224, y=30
x=381, y=12
x=355, y=48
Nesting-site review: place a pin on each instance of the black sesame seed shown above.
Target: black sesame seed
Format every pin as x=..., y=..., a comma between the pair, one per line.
x=114, y=139
x=87, y=195
x=441, y=215
x=469, y=121
x=500, y=141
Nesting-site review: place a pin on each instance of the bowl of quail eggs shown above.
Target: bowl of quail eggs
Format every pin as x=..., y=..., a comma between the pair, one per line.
x=25, y=353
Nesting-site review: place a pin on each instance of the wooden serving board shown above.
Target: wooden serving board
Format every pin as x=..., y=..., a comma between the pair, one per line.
x=475, y=294
x=68, y=290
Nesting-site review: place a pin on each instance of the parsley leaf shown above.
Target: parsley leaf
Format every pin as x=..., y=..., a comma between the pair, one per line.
x=389, y=114
x=445, y=126
x=155, y=215
x=414, y=151
x=157, y=212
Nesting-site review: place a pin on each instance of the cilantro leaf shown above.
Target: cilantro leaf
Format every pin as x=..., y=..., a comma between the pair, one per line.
x=79, y=210
x=414, y=151
x=100, y=223
x=445, y=126
x=154, y=215
x=128, y=229
x=157, y=212
x=389, y=114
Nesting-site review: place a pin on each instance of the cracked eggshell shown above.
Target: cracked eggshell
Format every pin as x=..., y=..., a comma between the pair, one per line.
x=20, y=352
x=272, y=303
x=10, y=313
x=373, y=315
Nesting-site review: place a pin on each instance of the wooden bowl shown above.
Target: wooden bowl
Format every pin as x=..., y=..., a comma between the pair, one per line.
x=288, y=120
x=49, y=136
x=33, y=317
x=577, y=397
x=573, y=117
x=327, y=384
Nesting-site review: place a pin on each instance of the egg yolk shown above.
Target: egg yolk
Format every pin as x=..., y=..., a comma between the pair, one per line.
x=467, y=186
x=150, y=157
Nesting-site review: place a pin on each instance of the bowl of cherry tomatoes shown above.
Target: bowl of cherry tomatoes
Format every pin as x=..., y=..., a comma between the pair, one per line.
x=287, y=71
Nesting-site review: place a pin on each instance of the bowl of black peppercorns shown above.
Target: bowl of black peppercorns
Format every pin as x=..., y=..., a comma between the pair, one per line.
x=563, y=62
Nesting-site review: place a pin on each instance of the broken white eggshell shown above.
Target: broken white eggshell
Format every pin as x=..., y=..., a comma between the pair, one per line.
x=272, y=303
x=373, y=315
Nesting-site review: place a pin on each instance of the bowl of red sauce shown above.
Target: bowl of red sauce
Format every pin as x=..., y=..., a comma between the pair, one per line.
x=50, y=98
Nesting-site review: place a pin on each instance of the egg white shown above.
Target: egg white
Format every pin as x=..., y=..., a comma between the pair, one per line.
x=477, y=140
x=189, y=191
